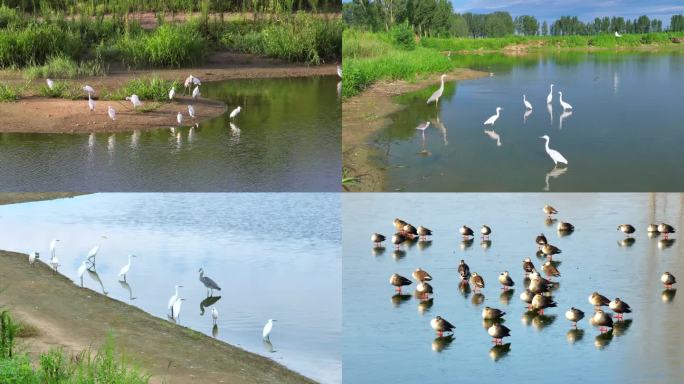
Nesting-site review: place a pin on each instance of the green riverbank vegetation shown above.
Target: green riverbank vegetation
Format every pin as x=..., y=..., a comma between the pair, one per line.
x=58, y=367
x=405, y=40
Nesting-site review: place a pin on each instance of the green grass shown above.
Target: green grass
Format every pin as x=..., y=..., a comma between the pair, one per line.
x=153, y=88
x=371, y=57
x=9, y=93
x=63, y=67
x=61, y=90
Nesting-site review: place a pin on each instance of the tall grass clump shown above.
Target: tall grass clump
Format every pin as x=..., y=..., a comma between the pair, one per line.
x=9, y=16
x=153, y=88
x=9, y=93
x=61, y=66
x=61, y=90
x=36, y=43
x=168, y=45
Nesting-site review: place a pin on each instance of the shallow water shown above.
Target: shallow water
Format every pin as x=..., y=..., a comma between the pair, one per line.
x=287, y=138
x=255, y=246
x=622, y=135
x=388, y=339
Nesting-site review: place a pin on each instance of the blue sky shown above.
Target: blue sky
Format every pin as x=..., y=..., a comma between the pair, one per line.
x=584, y=9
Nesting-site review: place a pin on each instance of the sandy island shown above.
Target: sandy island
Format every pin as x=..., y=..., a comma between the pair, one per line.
x=364, y=115
x=75, y=318
x=50, y=115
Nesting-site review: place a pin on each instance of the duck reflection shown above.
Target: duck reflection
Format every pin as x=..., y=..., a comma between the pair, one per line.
x=574, y=335
x=398, y=254
x=441, y=343
x=506, y=295
x=93, y=275
x=467, y=243
x=425, y=305
x=494, y=136
x=487, y=323
x=485, y=244
x=400, y=298
x=603, y=339
x=464, y=288
x=555, y=172
x=668, y=295
x=208, y=302
x=666, y=243
x=499, y=351
x=378, y=251
x=478, y=298
x=124, y=284
x=621, y=327
x=653, y=235
x=425, y=244
x=549, y=221
x=627, y=242
x=540, y=322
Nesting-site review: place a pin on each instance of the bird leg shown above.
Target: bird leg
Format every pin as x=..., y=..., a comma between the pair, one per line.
x=541, y=311
x=439, y=333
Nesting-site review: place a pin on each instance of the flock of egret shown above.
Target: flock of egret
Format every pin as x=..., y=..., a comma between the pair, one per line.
x=136, y=102
x=175, y=301
x=537, y=294
x=556, y=156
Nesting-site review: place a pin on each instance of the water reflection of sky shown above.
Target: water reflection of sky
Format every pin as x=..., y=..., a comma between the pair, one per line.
x=268, y=252
x=391, y=335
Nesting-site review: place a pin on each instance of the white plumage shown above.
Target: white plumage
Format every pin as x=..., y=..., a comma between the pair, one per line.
x=179, y=118
x=88, y=89
x=553, y=154
x=549, y=98
x=235, y=112
x=172, y=93
x=135, y=100
x=196, y=93
x=266, y=333
x=91, y=103
x=191, y=111
x=112, y=113
x=438, y=93
x=527, y=103
x=124, y=270
x=50, y=83
x=566, y=106
x=493, y=118
x=214, y=314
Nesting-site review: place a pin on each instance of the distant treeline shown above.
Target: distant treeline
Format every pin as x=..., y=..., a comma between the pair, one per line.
x=436, y=18
x=118, y=6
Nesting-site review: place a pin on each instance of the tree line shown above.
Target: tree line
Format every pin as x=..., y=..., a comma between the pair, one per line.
x=436, y=18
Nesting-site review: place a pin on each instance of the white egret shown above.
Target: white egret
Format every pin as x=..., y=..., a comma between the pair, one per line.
x=208, y=282
x=179, y=118
x=549, y=98
x=438, y=93
x=617, y=34
x=191, y=111
x=172, y=93
x=92, y=254
x=493, y=118
x=124, y=270
x=235, y=112
x=188, y=82
x=553, y=154
x=135, y=100
x=81, y=270
x=339, y=71
x=88, y=89
x=214, y=314
x=54, y=261
x=50, y=83
x=527, y=103
x=176, y=308
x=33, y=256
x=266, y=333
x=196, y=81
x=565, y=105
x=196, y=93
x=91, y=103
x=112, y=113
x=173, y=298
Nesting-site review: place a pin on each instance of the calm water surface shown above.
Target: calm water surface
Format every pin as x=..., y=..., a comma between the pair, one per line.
x=287, y=138
x=255, y=246
x=388, y=338
x=623, y=134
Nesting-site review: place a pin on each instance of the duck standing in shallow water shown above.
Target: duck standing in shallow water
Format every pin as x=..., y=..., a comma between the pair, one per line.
x=541, y=241
x=464, y=271
x=527, y=296
x=489, y=313
x=627, y=229
x=377, y=239
x=421, y=275
x=397, y=239
x=477, y=281
x=668, y=279
x=541, y=302
x=410, y=231
x=549, y=210
x=602, y=320
x=598, y=300
x=550, y=250
x=466, y=232
x=652, y=228
x=399, y=224
x=575, y=315
x=441, y=325
x=485, y=231
x=423, y=289
x=565, y=227
x=619, y=307
x=666, y=229
x=498, y=332
x=399, y=281
x=505, y=280
x=423, y=233
x=550, y=269
x=528, y=266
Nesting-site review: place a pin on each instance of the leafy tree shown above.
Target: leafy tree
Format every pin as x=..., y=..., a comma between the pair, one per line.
x=526, y=25
x=545, y=28
x=677, y=23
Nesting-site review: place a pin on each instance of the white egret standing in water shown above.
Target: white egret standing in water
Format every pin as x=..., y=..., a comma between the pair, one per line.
x=214, y=314
x=565, y=105
x=111, y=112
x=438, y=93
x=50, y=83
x=493, y=118
x=135, y=100
x=124, y=270
x=553, y=154
x=549, y=98
x=88, y=89
x=92, y=254
x=196, y=93
x=173, y=299
x=191, y=111
x=172, y=93
x=527, y=103
x=54, y=261
x=266, y=333
x=235, y=112
x=81, y=270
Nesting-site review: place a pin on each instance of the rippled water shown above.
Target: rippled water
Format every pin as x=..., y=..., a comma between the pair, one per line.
x=287, y=138
x=622, y=135
x=387, y=338
x=255, y=246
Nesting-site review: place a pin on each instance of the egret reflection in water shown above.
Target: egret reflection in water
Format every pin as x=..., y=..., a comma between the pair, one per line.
x=555, y=172
x=564, y=116
x=126, y=286
x=494, y=136
x=527, y=114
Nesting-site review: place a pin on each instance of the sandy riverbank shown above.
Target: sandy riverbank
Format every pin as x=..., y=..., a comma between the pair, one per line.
x=366, y=114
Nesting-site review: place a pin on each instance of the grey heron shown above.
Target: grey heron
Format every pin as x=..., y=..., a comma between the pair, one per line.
x=208, y=282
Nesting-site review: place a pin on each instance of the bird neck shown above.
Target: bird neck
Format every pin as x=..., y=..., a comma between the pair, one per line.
x=547, y=144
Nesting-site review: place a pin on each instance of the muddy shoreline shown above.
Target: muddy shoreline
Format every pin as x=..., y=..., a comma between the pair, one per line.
x=366, y=114
x=51, y=115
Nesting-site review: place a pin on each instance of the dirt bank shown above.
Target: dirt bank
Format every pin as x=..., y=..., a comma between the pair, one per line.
x=364, y=115
x=67, y=116
x=23, y=197
x=76, y=318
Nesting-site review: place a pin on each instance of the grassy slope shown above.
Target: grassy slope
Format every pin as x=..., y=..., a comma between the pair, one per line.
x=369, y=57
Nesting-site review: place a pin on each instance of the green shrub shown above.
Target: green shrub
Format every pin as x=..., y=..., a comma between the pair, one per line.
x=8, y=93
x=153, y=88
x=61, y=66
x=18, y=370
x=168, y=45
x=61, y=90
x=402, y=36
